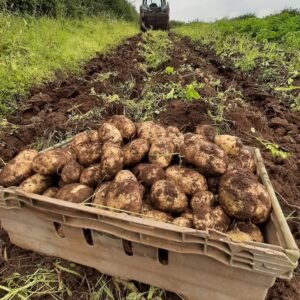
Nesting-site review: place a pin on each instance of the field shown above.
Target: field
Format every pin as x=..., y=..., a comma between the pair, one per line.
x=240, y=76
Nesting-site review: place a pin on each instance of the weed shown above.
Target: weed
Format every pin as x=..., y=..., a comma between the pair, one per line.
x=169, y=70
x=274, y=149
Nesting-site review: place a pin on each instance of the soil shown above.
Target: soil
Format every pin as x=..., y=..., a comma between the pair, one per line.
x=50, y=110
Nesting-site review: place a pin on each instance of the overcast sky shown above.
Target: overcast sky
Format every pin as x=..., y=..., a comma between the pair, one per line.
x=210, y=10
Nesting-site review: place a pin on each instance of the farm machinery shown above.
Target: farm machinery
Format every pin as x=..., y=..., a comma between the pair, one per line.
x=155, y=14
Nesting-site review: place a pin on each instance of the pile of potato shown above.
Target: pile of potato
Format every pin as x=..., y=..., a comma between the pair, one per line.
x=198, y=180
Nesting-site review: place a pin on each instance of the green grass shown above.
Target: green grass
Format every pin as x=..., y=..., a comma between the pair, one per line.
x=32, y=49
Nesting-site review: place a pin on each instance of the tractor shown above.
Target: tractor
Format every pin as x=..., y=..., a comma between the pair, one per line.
x=155, y=14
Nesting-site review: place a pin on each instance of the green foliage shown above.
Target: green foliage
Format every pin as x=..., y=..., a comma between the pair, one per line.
x=169, y=70
x=32, y=49
x=274, y=149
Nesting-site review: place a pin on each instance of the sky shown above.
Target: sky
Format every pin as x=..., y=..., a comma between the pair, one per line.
x=210, y=10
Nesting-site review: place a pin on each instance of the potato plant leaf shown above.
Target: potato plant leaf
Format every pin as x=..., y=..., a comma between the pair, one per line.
x=191, y=93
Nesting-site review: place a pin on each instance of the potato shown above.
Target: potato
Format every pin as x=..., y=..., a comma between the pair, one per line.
x=61, y=183
x=135, y=152
x=18, y=169
x=109, y=133
x=161, y=153
x=166, y=196
x=87, y=137
x=88, y=153
x=125, y=175
x=124, y=125
x=101, y=193
x=151, y=131
x=52, y=162
x=188, y=214
x=245, y=160
x=157, y=215
x=148, y=174
x=174, y=135
x=206, y=156
x=207, y=131
x=239, y=236
x=201, y=199
x=250, y=229
x=51, y=192
x=75, y=193
x=91, y=176
x=221, y=220
x=188, y=180
x=36, y=184
x=71, y=172
x=203, y=219
x=243, y=197
x=112, y=161
x=126, y=195
x=183, y=222
x=232, y=145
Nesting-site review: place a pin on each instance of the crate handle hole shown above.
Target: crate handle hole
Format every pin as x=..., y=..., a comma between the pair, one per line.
x=87, y=233
x=59, y=230
x=127, y=247
x=163, y=256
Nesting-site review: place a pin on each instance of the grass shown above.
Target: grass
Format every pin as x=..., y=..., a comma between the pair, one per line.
x=33, y=49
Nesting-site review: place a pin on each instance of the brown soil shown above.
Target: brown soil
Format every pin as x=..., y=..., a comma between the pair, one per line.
x=49, y=110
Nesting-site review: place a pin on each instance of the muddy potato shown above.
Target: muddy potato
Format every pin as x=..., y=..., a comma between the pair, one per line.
x=238, y=236
x=157, y=215
x=232, y=145
x=109, y=133
x=124, y=125
x=126, y=195
x=88, y=153
x=188, y=180
x=148, y=174
x=188, y=214
x=183, y=222
x=61, y=183
x=161, y=153
x=207, y=131
x=135, y=152
x=90, y=136
x=112, y=160
x=250, y=229
x=206, y=156
x=101, y=193
x=75, y=193
x=91, y=176
x=71, y=172
x=221, y=220
x=166, y=196
x=245, y=160
x=18, y=169
x=125, y=175
x=151, y=131
x=202, y=199
x=243, y=197
x=203, y=219
x=52, y=162
x=51, y=192
x=36, y=184
x=174, y=135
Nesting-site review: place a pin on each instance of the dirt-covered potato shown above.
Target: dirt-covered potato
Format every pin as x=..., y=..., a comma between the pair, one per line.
x=232, y=145
x=207, y=131
x=174, y=135
x=161, y=153
x=188, y=214
x=157, y=215
x=125, y=175
x=61, y=183
x=166, y=196
x=75, y=193
x=91, y=176
x=112, y=160
x=52, y=162
x=250, y=229
x=151, y=131
x=183, y=222
x=135, y=152
x=245, y=160
x=51, y=192
x=100, y=193
x=88, y=153
x=188, y=180
x=201, y=199
x=206, y=156
x=221, y=220
x=87, y=137
x=36, y=184
x=124, y=125
x=18, y=169
x=243, y=197
x=71, y=172
x=126, y=195
x=238, y=236
x=148, y=174
x=109, y=133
